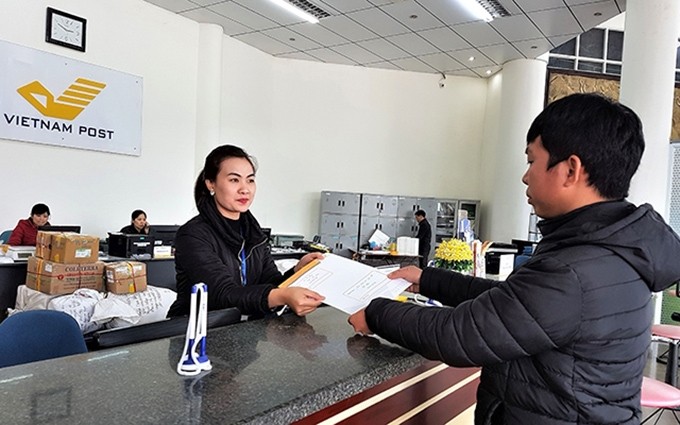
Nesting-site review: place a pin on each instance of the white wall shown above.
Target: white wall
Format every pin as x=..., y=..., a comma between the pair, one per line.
x=99, y=190
x=315, y=127
x=312, y=126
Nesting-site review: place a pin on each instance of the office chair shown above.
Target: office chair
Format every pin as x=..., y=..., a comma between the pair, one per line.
x=671, y=335
x=4, y=236
x=656, y=394
x=35, y=335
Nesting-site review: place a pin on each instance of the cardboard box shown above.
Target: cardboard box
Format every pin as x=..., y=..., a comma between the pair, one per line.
x=43, y=244
x=57, y=278
x=126, y=277
x=72, y=248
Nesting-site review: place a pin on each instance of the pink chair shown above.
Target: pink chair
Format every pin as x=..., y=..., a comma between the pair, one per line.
x=671, y=335
x=660, y=396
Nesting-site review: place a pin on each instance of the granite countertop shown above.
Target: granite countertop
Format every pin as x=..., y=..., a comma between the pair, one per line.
x=268, y=371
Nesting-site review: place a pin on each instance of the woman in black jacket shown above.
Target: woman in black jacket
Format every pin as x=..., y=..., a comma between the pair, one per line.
x=225, y=248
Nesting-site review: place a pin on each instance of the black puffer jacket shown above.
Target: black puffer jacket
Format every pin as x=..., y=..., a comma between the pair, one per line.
x=207, y=250
x=563, y=340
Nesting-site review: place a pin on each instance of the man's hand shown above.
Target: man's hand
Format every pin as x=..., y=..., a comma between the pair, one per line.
x=411, y=274
x=358, y=322
x=307, y=259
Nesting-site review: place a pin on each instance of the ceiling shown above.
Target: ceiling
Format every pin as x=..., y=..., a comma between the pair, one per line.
x=432, y=36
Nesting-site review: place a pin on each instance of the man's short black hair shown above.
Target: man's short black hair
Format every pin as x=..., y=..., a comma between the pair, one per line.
x=604, y=134
x=421, y=213
x=40, y=209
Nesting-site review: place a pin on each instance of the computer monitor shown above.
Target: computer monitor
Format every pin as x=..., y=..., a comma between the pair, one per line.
x=60, y=228
x=163, y=234
x=268, y=233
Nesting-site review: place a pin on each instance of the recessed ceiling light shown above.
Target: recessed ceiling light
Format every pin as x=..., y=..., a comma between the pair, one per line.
x=413, y=16
x=488, y=72
x=299, y=12
x=292, y=39
x=597, y=14
x=534, y=47
x=471, y=58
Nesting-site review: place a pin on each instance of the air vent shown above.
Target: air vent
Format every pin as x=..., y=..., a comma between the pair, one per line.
x=494, y=8
x=313, y=10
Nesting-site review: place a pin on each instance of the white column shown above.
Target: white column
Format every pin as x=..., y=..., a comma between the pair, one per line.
x=209, y=91
x=520, y=91
x=647, y=82
x=647, y=85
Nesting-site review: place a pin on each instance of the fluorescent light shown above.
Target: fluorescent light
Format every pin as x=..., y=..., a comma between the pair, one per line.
x=295, y=11
x=476, y=10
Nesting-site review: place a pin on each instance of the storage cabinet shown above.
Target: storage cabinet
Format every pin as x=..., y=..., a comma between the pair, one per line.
x=407, y=225
x=349, y=219
x=472, y=208
x=339, y=221
x=369, y=224
x=378, y=205
x=447, y=219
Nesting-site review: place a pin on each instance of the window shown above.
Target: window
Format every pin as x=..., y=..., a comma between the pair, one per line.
x=597, y=51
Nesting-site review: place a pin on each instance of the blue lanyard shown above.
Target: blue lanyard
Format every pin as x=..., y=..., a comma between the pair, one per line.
x=243, y=266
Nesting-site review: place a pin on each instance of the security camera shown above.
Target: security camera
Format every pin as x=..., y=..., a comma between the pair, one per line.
x=442, y=81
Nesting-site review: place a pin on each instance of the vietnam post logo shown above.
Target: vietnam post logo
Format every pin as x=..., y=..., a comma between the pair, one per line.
x=68, y=105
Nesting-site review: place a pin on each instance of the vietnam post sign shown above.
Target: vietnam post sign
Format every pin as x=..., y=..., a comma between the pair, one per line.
x=50, y=99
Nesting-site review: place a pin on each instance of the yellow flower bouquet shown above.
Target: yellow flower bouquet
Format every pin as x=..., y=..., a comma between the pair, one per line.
x=453, y=254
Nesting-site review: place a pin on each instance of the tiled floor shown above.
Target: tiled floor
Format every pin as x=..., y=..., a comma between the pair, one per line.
x=657, y=370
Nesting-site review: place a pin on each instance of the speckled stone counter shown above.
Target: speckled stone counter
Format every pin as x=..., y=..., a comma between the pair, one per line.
x=268, y=371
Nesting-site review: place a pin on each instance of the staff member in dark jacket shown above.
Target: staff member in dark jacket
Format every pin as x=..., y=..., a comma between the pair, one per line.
x=224, y=246
x=424, y=237
x=563, y=340
x=138, y=224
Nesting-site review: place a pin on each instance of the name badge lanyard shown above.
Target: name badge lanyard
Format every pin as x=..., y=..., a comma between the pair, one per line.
x=243, y=265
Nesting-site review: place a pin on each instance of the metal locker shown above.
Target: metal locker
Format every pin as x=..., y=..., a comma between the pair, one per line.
x=408, y=205
x=341, y=245
x=388, y=225
x=379, y=205
x=340, y=202
x=339, y=224
x=407, y=227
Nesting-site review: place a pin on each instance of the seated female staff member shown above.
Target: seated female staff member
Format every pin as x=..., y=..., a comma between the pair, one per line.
x=224, y=246
x=138, y=224
x=27, y=229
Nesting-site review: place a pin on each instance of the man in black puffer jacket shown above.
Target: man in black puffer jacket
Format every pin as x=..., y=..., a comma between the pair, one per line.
x=563, y=339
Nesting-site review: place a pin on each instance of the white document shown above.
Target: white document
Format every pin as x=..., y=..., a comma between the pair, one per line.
x=349, y=285
x=379, y=238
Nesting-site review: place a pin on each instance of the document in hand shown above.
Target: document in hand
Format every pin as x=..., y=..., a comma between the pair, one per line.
x=348, y=285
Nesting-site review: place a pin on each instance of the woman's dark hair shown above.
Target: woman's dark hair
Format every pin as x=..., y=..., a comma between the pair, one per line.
x=604, y=134
x=137, y=213
x=212, y=167
x=40, y=209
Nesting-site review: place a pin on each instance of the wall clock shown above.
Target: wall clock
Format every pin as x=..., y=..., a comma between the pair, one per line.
x=65, y=29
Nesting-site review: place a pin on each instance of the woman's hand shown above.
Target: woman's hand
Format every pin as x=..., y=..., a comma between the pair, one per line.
x=301, y=300
x=411, y=274
x=307, y=259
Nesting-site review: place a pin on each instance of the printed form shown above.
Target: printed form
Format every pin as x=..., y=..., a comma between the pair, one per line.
x=348, y=285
